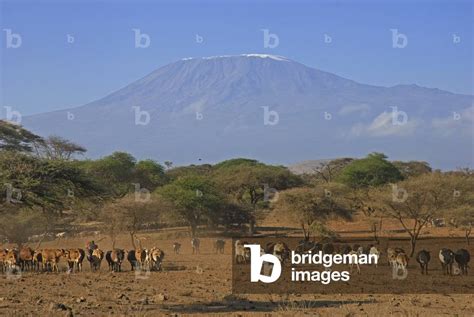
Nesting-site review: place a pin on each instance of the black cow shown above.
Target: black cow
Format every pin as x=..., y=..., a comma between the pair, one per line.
x=328, y=248
x=117, y=256
x=346, y=249
x=446, y=257
x=109, y=259
x=423, y=258
x=305, y=246
x=462, y=258
x=131, y=258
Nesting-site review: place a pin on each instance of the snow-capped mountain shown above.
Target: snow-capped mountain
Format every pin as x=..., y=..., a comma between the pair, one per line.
x=269, y=108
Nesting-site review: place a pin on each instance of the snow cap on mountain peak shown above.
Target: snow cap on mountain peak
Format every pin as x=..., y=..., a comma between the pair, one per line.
x=274, y=57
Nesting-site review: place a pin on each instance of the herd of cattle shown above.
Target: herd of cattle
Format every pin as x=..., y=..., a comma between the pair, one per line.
x=452, y=263
x=27, y=259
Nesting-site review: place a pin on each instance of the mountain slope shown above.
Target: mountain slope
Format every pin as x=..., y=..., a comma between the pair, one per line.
x=213, y=108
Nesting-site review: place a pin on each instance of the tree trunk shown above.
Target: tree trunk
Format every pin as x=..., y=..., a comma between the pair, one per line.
x=412, y=245
x=305, y=233
x=374, y=230
x=132, y=238
x=252, y=227
x=468, y=233
x=193, y=230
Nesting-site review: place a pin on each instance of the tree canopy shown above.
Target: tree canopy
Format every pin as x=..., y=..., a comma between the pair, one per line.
x=374, y=170
x=311, y=207
x=15, y=138
x=195, y=199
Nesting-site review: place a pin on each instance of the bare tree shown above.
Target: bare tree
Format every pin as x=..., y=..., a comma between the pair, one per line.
x=463, y=217
x=417, y=200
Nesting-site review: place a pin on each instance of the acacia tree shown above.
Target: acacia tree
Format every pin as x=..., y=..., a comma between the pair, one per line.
x=463, y=217
x=53, y=186
x=18, y=226
x=374, y=170
x=57, y=148
x=327, y=172
x=311, y=207
x=412, y=168
x=15, y=138
x=251, y=183
x=129, y=214
x=417, y=200
x=194, y=198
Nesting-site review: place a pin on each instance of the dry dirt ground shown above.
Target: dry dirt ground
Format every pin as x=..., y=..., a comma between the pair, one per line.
x=195, y=285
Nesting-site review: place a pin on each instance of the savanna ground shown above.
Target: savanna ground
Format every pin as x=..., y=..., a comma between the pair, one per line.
x=201, y=285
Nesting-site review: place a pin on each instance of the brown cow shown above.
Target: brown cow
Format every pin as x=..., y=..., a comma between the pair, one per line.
x=38, y=260
x=25, y=257
x=115, y=259
x=95, y=259
x=3, y=258
x=140, y=257
x=50, y=258
x=11, y=259
x=74, y=258
x=155, y=258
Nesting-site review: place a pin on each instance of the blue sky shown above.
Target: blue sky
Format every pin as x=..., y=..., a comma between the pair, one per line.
x=47, y=73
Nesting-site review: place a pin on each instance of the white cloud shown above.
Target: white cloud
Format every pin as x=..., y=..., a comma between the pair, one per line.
x=386, y=124
x=457, y=123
